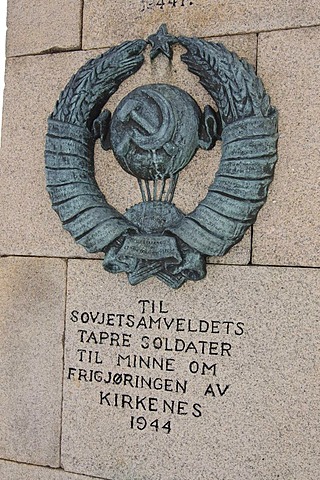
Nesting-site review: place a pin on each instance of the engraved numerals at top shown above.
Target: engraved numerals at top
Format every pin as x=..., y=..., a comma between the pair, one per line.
x=151, y=4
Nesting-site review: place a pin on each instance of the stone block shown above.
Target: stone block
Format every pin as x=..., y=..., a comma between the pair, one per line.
x=31, y=225
x=230, y=362
x=32, y=86
x=32, y=298
x=42, y=26
x=17, y=471
x=109, y=23
x=287, y=230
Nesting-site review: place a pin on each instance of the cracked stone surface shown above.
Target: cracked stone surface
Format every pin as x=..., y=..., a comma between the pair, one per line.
x=16, y=471
x=41, y=26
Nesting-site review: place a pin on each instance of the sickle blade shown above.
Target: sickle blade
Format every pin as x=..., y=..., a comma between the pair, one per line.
x=166, y=129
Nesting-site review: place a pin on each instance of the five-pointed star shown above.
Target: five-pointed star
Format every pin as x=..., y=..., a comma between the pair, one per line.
x=161, y=43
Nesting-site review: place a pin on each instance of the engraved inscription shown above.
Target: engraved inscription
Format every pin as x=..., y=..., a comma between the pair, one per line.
x=150, y=364
x=162, y=4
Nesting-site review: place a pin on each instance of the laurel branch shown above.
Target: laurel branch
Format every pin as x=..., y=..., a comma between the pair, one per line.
x=231, y=81
x=89, y=89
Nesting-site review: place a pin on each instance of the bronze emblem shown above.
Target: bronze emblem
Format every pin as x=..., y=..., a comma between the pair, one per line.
x=154, y=133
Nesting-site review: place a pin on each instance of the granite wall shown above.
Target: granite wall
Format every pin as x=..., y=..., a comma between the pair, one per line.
x=260, y=417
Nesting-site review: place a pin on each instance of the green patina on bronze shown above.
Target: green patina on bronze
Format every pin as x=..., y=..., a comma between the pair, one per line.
x=154, y=133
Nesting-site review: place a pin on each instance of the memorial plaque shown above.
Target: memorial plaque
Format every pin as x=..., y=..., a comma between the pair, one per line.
x=134, y=357
x=207, y=382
